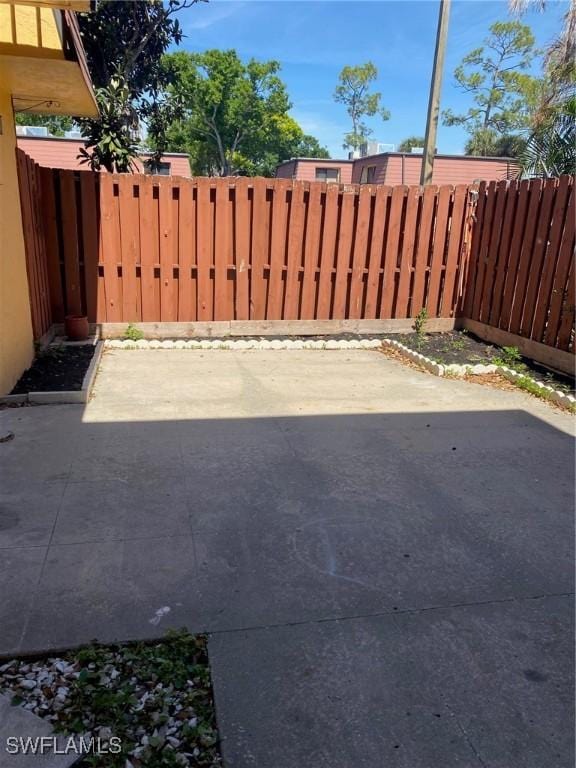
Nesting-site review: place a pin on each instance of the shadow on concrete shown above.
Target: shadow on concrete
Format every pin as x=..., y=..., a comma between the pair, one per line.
x=379, y=589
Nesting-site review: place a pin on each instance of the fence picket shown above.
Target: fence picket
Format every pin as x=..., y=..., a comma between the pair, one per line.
x=406, y=261
x=550, y=261
x=327, y=256
x=537, y=260
x=90, y=234
x=503, y=256
x=129, y=248
x=242, y=249
x=148, y=246
x=204, y=249
x=311, y=252
x=186, y=253
x=525, y=255
x=260, y=250
x=391, y=251
x=344, y=248
x=455, y=252
x=438, y=250
x=294, y=253
x=359, y=253
x=70, y=242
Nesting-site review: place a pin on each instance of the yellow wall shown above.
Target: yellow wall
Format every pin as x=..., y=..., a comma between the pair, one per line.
x=16, y=341
x=25, y=25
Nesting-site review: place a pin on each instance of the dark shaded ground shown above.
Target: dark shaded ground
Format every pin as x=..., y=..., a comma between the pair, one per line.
x=461, y=348
x=382, y=560
x=58, y=369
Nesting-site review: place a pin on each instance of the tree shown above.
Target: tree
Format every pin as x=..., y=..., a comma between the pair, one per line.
x=234, y=115
x=353, y=90
x=57, y=124
x=551, y=147
x=309, y=146
x=124, y=43
x=408, y=143
x=563, y=47
x=494, y=75
x=489, y=143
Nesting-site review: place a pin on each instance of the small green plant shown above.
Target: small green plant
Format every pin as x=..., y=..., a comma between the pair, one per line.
x=457, y=344
x=133, y=334
x=420, y=321
x=510, y=357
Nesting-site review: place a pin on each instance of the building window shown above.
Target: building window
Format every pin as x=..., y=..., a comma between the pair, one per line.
x=159, y=169
x=328, y=174
x=368, y=174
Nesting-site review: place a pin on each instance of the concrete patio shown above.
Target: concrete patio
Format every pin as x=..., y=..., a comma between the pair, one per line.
x=383, y=559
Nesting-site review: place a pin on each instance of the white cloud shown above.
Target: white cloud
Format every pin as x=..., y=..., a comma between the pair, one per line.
x=206, y=15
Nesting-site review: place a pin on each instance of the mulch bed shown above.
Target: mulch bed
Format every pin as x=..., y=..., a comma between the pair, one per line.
x=56, y=369
x=461, y=348
x=450, y=348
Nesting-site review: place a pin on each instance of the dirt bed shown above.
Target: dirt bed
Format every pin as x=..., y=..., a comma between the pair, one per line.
x=57, y=369
x=460, y=348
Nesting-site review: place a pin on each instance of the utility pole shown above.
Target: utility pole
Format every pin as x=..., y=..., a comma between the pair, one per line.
x=435, y=88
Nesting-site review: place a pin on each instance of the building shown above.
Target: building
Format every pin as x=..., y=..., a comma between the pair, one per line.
x=311, y=169
x=56, y=152
x=399, y=168
x=42, y=67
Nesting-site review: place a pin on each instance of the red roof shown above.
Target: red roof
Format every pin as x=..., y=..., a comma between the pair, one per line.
x=52, y=152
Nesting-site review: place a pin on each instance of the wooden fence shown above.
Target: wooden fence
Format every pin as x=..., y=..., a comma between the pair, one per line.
x=521, y=276
x=130, y=248
x=174, y=249
x=34, y=243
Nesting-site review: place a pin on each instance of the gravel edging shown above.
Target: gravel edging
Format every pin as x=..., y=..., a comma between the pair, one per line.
x=147, y=705
x=371, y=343
x=556, y=396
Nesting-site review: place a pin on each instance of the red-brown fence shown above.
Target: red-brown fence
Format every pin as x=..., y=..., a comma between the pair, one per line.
x=130, y=248
x=521, y=277
x=173, y=249
x=34, y=243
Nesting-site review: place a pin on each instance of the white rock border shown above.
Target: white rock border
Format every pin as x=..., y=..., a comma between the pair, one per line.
x=244, y=344
x=560, y=398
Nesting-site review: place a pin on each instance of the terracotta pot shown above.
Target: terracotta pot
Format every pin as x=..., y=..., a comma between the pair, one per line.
x=76, y=327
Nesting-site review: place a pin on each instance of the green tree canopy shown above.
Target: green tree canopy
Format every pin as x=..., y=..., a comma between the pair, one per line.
x=234, y=115
x=489, y=143
x=409, y=142
x=353, y=90
x=124, y=43
x=57, y=124
x=309, y=146
x=494, y=75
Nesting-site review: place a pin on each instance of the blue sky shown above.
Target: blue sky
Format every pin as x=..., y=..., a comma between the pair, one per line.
x=314, y=39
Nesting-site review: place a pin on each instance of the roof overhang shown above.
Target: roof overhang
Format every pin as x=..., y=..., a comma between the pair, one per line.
x=82, y=6
x=51, y=80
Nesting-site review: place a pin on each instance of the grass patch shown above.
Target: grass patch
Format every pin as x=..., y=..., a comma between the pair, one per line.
x=155, y=698
x=530, y=386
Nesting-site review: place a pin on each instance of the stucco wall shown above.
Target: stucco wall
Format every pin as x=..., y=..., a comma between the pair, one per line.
x=379, y=162
x=16, y=343
x=305, y=170
x=447, y=170
x=286, y=170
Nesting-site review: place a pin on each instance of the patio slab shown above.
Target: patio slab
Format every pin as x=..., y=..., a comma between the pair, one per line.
x=359, y=527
